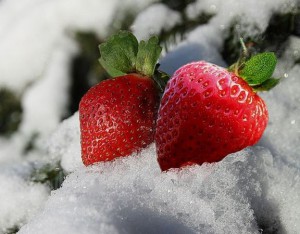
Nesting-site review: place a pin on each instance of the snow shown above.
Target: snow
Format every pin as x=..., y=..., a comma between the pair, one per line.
x=249, y=191
x=54, y=78
x=131, y=195
x=256, y=12
x=27, y=42
x=147, y=23
x=20, y=199
x=63, y=145
x=285, y=119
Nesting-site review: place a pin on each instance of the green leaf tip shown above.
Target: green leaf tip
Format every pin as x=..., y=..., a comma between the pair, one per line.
x=259, y=68
x=118, y=53
x=267, y=85
x=147, y=56
x=122, y=54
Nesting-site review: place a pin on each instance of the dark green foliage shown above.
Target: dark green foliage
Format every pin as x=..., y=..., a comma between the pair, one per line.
x=51, y=174
x=123, y=19
x=87, y=42
x=296, y=23
x=178, y=32
x=270, y=228
x=232, y=47
x=177, y=5
x=280, y=27
x=12, y=230
x=30, y=145
x=10, y=112
x=186, y=25
x=274, y=38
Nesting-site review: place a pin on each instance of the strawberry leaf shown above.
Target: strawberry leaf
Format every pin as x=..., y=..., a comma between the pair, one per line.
x=110, y=70
x=267, y=85
x=147, y=56
x=118, y=53
x=122, y=54
x=258, y=68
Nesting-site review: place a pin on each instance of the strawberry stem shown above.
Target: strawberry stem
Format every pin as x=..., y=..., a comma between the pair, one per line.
x=245, y=50
x=256, y=70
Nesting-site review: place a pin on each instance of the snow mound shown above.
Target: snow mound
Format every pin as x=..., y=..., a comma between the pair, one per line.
x=282, y=136
x=241, y=194
x=63, y=145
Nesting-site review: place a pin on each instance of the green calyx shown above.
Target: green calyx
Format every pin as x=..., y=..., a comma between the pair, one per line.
x=122, y=54
x=257, y=70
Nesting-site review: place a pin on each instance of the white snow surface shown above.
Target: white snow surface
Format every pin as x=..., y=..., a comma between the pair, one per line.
x=249, y=191
x=20, y=199
x=64, y=144
x=147, y=23
x=131, y=195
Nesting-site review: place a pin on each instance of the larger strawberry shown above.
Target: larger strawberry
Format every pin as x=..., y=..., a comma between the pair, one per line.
x=118, y=116
x=208, y=112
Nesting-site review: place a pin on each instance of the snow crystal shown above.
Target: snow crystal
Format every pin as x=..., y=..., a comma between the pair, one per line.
x=19, y=199
x=131, y=195
x=282, y=137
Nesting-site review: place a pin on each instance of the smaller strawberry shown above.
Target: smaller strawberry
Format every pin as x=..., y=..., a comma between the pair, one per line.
x=118, y=115
x=208, y=112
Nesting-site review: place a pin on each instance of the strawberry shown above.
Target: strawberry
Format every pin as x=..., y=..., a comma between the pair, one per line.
x=208, y=112
x=118, y=115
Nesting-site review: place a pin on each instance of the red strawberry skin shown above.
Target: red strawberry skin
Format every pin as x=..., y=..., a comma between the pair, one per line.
x=117, y=117
x=206, y=113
